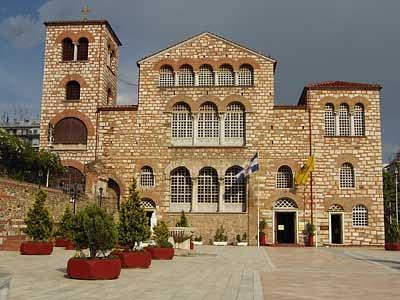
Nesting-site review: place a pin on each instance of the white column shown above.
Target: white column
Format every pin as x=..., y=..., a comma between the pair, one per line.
x=75, y=50
x=216, y=78
x=195, y=128
x=176, y=78
x=351, y=124
x=236, y=81
x=194, y=194
x=336, y=123
x=196, y=78
x=221, y=182
x=221, y=128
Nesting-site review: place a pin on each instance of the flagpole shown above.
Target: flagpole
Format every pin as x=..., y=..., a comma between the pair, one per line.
x=258, y=213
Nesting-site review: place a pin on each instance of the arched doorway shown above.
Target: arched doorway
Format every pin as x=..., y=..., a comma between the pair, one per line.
x=285, y=221
x=69, y=180
x=150, y=209
x=112, y=198
x=336, y=216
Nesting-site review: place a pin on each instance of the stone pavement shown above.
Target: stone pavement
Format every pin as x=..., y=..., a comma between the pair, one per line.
x=220, y=273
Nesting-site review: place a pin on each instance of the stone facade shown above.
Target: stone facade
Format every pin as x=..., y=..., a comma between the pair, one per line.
x=123, y=139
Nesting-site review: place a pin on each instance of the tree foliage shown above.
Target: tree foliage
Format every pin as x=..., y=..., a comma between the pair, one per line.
x=392, y=232
x=39, y=225
x=94, y=228
x=21, y=161
x=183, y=221
x=64, y=229
x=161, y=235
x=133, y=225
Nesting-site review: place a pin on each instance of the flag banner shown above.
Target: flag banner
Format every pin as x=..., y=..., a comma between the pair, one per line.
x=302, y=177
x=241, y=176
x=254, y=165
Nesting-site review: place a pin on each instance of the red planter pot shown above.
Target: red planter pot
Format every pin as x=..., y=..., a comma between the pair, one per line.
x=161, y=253
x=134, y=259
x=191, y=245
x=92, y=269
x=392, y=246
x=60, y=242
x=310, y=241
x=69, y=245
x=36, y=248
x=263, y=239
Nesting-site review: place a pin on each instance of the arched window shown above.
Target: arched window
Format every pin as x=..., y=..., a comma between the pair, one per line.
x=335, y=208
x=208, y=125
x=359, y=121
x=360, y=216
x=344, y=120
x=72, y=90
x=347, y=176
x=208, y=190
x=67, y=49
x=70, y=131
x=235, y=191
x=182, y=123
x=83, y=49
x=285, y=203
x=181, y=186
x=234, y=121
x=245, y=76
x=330, y=124
x=186, y=75
x=226, y=75
x=284, y=178
x=146, y=176
x=167, y=76
x=206, y=75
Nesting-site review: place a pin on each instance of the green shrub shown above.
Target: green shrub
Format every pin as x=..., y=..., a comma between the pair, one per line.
x=133, y=224
x=161, y=234
x=220, y=235
x=198, y=238
x=39, y=225
x=392, y=233
x=183, y=221
x=94, y=228
x=310, y=229
x=64, y=229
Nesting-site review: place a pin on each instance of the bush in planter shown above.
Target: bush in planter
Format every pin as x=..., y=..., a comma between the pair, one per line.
x=392, y=236
x=220, y=235
x=164, y=249
x=133, y=229
x=39, y=227
x=64, y=228
x=310, y=231
x=183, y=221
x=94, y=228
x=261, y=234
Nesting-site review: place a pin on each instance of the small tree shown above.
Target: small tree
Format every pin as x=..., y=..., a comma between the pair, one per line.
x=64, y=228
x=39, y=225
x=161, y=234
x=133, y=224
x=392, y=232
x=220, y=235
x=183, y=221
x=92, y=226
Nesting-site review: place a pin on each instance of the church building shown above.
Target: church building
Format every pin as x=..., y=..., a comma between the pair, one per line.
x=206, y=105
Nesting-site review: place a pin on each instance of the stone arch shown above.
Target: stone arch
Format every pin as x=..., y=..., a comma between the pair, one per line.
x=74, y=163
x=72, y=113
x=359, y=99
x=335, y=207
x=180, y=98
x=208, y=98
x=75, y=35
x=72, y=77
x=245, y=61
x=285, y=203
x=169, y=62
x=292, y=163
x=237, y=98
x=347, y=158
x=298, y=199
x=179, y=163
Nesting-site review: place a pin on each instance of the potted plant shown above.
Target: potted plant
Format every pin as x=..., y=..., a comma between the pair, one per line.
x=241, y=240
x=133, y=230
x=392, y=237
x=198, y=240
x=39, y=228
x=310, y=231
x=262, y=237
x=163, y=248
x=182, y=234
x=94, y=228
x=220, y=238
x=63, y=229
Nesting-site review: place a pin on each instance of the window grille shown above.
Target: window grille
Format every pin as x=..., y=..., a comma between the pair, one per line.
x=359, y=121
x=245, y=76
x=167, y=76
x=181, y=186
x=235, y=191
x=285, y=203
x=335, y=207
x=347, y=176
x=226, y=75
x=70, y=131
x=73, y=90
x=206, y=75
x=360, y=216
x=330, y=123
x=182, y=124
x=146, y=177
x=208, y=190
x=234, y=121
x=208, y=125
x=83, y=48
x=148, y=204
x=284, y=178
x=67, y=50
x=344, y=120
x=186, y=76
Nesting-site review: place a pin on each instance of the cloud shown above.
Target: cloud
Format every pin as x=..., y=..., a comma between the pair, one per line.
x=22, y=31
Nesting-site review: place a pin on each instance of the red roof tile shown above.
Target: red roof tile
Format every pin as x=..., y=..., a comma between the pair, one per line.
x=342, y=85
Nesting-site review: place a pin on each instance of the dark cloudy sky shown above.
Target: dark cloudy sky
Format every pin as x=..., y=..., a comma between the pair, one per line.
x=313, y=40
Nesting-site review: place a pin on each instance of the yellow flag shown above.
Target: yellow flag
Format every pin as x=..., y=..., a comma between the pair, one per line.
x=302, y=177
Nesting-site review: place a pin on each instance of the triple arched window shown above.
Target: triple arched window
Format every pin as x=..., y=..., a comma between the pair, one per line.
x=344, y=122
x=72, y=51
x=284, y=178
x=208, y=126
x=346, y=176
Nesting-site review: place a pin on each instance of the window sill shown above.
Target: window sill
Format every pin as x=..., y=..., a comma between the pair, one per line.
x=69, y=147
x=71, y=101
x=208, y=146
x=205, y=86
x=175, y=213
x=345, y=136
x=74, y=61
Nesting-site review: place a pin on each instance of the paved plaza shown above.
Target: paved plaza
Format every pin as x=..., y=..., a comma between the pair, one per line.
x=220, y=273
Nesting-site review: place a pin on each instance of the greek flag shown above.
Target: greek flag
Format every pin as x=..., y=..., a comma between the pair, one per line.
x=253, y=166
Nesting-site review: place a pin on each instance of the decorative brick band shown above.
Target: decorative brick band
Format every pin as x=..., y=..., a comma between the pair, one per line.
x=215, y=64
x=73, y=77
x=75, y=36
x=72, y=113
x=73, y=163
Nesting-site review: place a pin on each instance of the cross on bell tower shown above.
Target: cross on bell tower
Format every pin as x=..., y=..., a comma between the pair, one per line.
x=85, y=12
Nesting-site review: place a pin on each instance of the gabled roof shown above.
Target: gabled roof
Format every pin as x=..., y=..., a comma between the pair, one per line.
x=265, y=56
x=337, y=85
